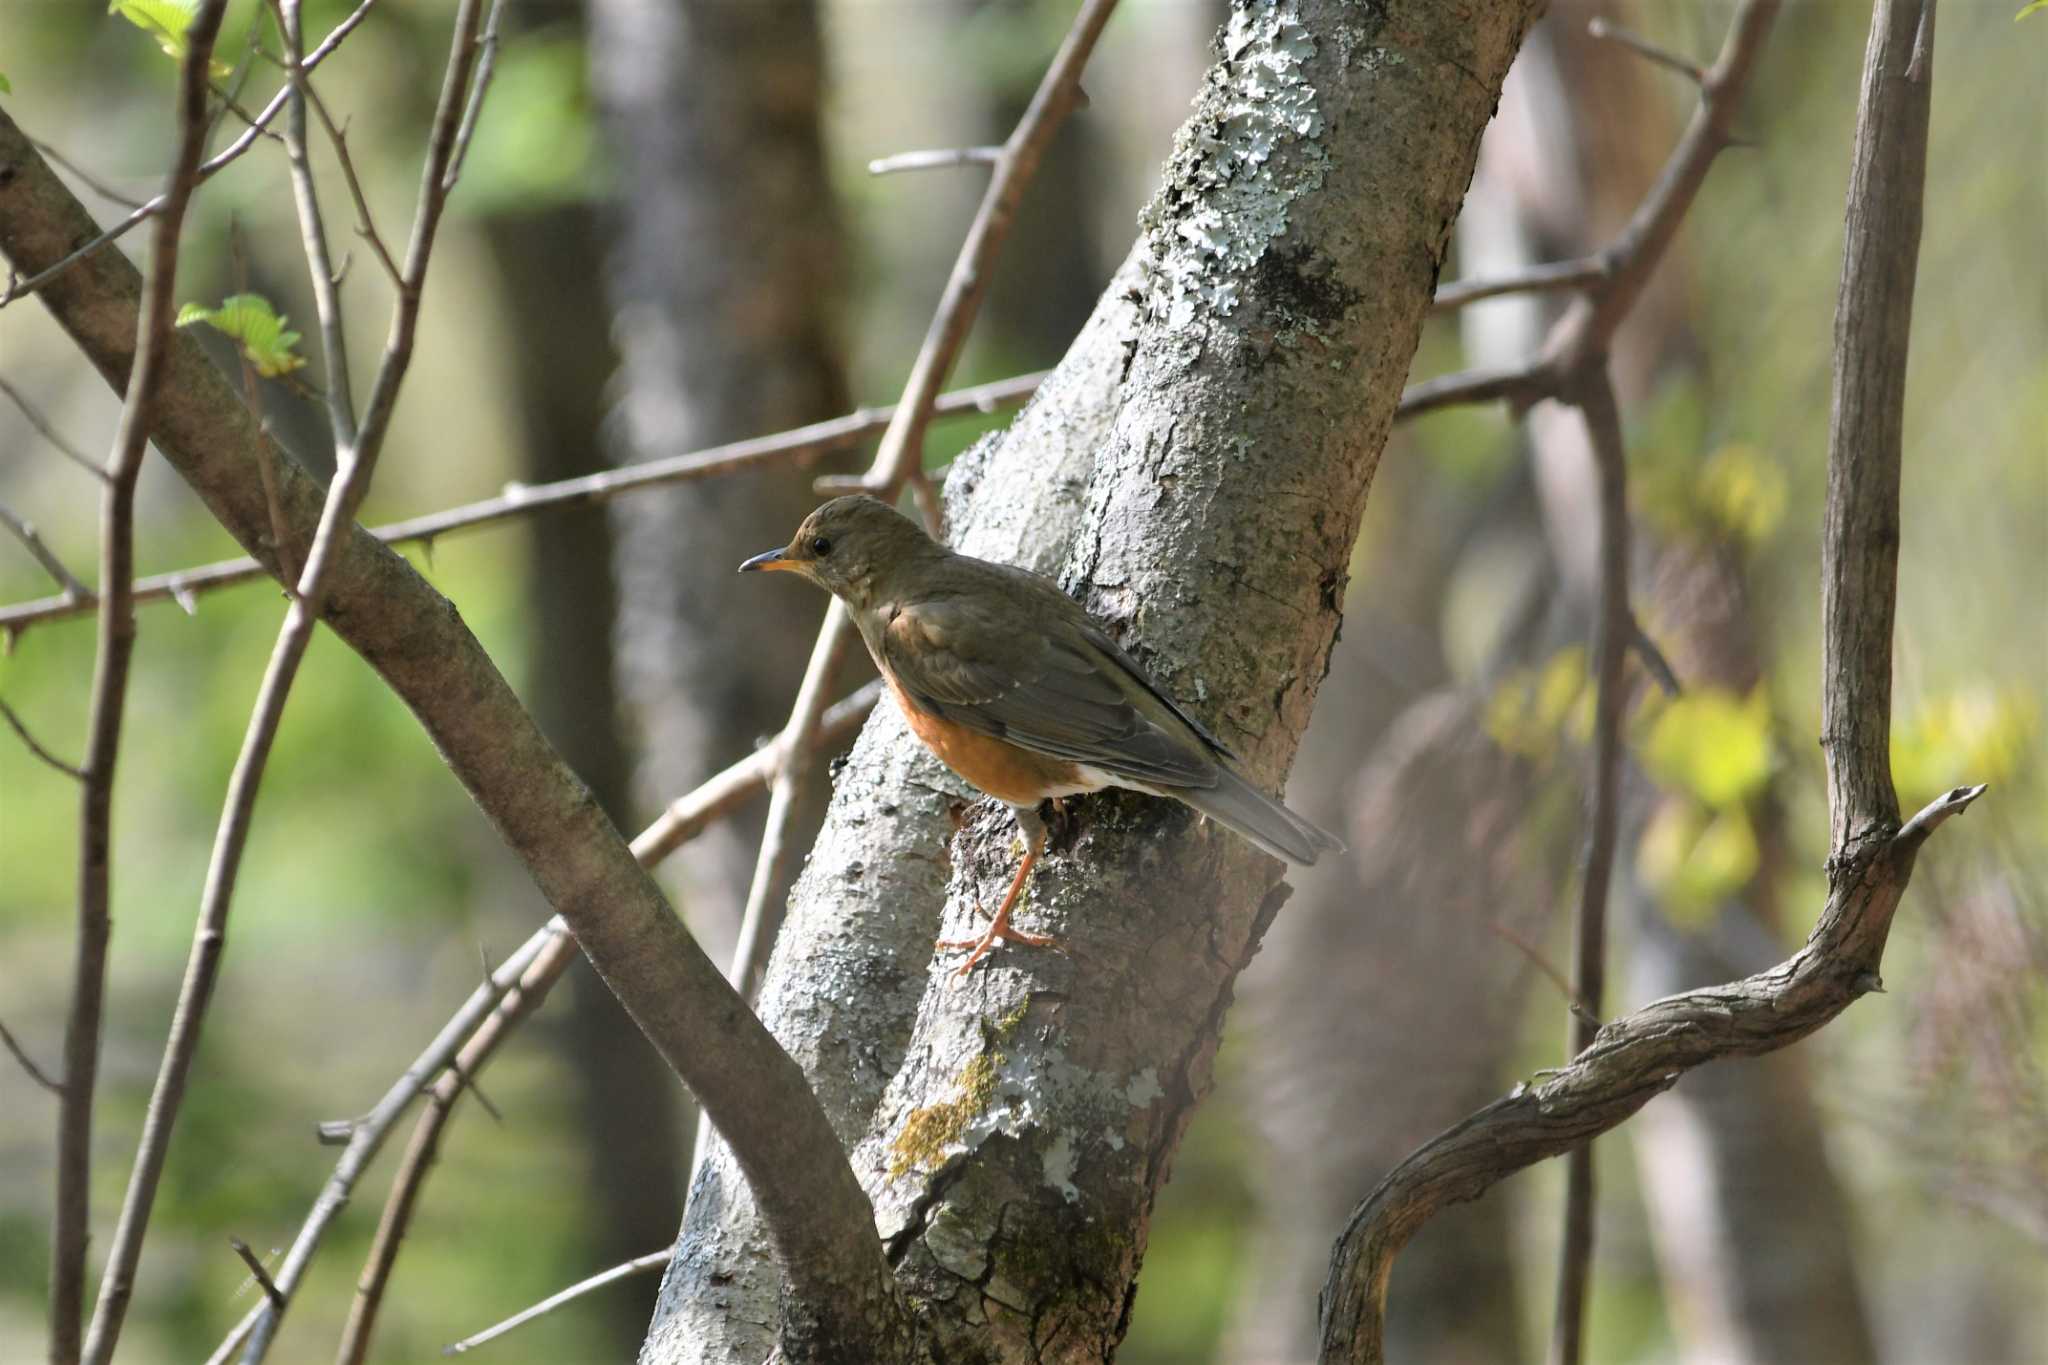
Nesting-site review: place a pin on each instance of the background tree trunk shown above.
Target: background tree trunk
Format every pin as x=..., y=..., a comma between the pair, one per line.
x=1014, y=1130
x=722, y=304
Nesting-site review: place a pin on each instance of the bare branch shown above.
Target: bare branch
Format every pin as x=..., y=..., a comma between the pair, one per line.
x=49, y=433
x=487, y=62
x=256, y=1271
x=35, y=747
x=367, y=1134
x=521, y=500
x=817, y=1215
x=941, y=159
x=1558, y=275
x=35, y=1073
x=356, y=451
x=1595, y=399
x=85, y=177
x=1626, y=263
x=1644, y=1053
x=115, y=650
x=639, y=1265
x=1643, y=47
x=25, y=532
x=1536, y=959
x=366, y=225
x=207, y=168
x=685, y=818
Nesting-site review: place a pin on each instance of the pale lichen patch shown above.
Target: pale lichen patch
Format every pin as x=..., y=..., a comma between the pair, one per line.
x=1229, y=188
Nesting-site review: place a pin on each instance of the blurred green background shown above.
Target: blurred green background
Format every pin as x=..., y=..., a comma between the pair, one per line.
x=371, y=883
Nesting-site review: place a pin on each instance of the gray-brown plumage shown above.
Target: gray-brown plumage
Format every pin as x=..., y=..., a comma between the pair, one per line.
x=1013, y=685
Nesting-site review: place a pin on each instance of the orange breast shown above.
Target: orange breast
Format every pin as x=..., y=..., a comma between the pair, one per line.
x=995, y=766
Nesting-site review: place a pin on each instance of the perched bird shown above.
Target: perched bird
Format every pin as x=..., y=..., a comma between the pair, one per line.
x=1017, y=689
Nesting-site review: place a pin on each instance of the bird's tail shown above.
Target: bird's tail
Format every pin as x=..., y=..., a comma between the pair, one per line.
x=1236, y=803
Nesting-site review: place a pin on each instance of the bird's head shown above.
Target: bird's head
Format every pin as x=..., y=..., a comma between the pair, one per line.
x=850, y=547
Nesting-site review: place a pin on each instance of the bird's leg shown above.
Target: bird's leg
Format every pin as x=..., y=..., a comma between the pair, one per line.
x=1000, y=930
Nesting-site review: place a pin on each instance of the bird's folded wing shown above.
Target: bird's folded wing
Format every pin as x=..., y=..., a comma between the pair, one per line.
x=1065, y=693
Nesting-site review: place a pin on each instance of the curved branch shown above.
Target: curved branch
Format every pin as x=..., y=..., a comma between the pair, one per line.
x=1642, y=1054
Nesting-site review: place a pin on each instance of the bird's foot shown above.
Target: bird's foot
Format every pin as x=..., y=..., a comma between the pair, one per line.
x=999, y=931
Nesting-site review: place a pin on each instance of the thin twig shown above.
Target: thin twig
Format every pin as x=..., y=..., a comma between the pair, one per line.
x=207, y=168
x=1584, y=330
x=356, y=452
x=521, y=500
x=49, y=433
x=1544, y=965
x=257, y=1271
x=487, y=63
x=639, y=1265
x=35, y=747
x=685, y=818
x=85, y=177
x=1537, y=278
x=1600, y=28
x=35, y=1073
x=940, y=159
x=1595, y=400
x=366, y=226
x=1653, y=658
x=368, y=1134
x=115, y=650
x=25, y=532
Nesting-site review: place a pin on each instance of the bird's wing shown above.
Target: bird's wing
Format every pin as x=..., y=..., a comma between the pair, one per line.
x=1066, y=693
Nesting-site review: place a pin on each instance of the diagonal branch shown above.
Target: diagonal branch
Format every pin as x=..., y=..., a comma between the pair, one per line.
x=522, y=500
x=357, y=452
x=258, y=126
x=26, y=533
x=152, y=338
x=817, y=1215
x=685, y=818
x=1642, y=1054
x=50, y=433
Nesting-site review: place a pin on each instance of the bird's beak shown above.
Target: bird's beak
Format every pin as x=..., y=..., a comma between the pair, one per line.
x=770, y=559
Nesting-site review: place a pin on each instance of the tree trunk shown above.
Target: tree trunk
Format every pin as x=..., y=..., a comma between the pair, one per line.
x=1014, y=1128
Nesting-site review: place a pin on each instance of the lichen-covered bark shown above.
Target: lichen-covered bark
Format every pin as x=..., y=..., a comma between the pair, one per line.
x=1031, y=1113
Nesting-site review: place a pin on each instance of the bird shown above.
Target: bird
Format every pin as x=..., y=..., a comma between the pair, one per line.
x=1016, y=688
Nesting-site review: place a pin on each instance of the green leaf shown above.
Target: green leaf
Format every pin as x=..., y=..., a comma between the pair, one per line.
x=1742, y=492
x=2030, y=8
x=1975, y=734
x=6, y=87
x=250, y=319
x=1694, y=859
x=1712, y=744
x=167, y=21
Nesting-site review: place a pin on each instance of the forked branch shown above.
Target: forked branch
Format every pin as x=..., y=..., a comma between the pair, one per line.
x=1644, y=1053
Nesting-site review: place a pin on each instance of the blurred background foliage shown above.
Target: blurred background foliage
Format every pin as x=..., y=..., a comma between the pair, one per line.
x=371, y=883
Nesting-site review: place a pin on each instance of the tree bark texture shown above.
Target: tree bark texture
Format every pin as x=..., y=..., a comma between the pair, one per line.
x=1235, y=392
x=722, y=282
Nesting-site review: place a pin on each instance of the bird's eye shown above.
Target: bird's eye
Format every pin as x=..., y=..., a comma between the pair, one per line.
x=820, y=546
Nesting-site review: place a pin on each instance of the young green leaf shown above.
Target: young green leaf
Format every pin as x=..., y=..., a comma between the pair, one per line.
x=2029, y=8
x=250, y=319
x=167, y=21
x=5, y=87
